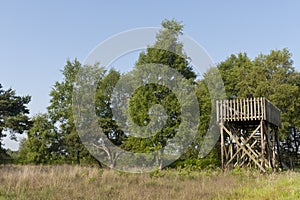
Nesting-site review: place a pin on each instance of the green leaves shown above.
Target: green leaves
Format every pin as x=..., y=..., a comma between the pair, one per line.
x=272, y=76
x=151, y=80
x=13, y=113
x=42, y=143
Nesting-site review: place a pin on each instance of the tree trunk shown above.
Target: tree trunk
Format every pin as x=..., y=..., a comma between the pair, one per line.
x=99, y=163
x=78, y=157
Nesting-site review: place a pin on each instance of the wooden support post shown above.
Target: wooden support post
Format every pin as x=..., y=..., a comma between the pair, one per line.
x=262, y=144
x=278, y=148
x=222, y=146
x=273, y=148
x=231, y=148
x=268, y=143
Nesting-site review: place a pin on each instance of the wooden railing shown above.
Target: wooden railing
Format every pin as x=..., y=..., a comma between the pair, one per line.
x=248, y=109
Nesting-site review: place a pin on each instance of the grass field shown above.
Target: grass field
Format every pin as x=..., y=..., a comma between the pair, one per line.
x=77, y=182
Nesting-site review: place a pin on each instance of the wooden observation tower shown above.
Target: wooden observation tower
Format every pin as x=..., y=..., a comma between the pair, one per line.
x=249, y=133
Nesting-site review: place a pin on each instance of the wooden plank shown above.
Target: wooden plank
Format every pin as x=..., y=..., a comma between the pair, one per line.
x=238, y=109
x=217, y=108
x=231, y=148
x=244, y=109
x=249, y=147
x=265, y=108
x=234, y=109
x=258, y=109
x=273, y=149
x=254, y=108
x=228, y=111
x=221, y=111
x=268, y=142
x=251, y=108
x=262, y=143
x=252, y=145
x=262, y=108
x=272, y=114
x=241, y=109
x=248, y=112
x=224, y=110
x=230, y=105
x=222, y=146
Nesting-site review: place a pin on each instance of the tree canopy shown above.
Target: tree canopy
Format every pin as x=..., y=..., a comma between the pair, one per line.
x=13, y=114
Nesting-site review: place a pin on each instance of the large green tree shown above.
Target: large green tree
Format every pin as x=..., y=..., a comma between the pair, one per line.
x=61, y=115
x=41, y=145
x=92, y=95
x=13, y=114
x=268, y=75
x=166, y=51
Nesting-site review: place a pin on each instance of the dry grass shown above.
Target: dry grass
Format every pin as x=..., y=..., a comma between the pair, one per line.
x=75, y=182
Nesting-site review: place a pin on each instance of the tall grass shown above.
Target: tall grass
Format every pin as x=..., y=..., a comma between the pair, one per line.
x=77, y=182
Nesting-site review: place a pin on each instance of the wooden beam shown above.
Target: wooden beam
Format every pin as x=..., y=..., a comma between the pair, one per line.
x=273, y=148
x=222, y=146
x=251, y=108
x=254, y=105
x=246, y=141
x=244, y=149
x=262, y=143
x=248, y=111
x=218, y=111
x=252, y=145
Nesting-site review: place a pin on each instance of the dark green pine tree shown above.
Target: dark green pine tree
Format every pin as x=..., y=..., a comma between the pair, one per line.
x=13, y=114
x=41, y=145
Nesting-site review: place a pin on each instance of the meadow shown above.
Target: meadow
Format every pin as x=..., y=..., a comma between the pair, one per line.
x=83, y=182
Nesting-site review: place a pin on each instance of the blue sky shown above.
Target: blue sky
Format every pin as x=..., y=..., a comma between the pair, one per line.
x=37, y=37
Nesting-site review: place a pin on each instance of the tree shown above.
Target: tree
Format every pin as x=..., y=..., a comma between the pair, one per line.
x=280, y=84
x=13, y=114
x=42, y=145
x=61, y=115
x=167, y=51
x=234, y=70
x=272, y=76
x=103, y=107
x=92, y=95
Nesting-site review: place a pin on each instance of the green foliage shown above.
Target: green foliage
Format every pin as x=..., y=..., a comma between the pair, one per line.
x=158, y=173
x=61, y=115
x=194, y=164
x=167, y=51
x=272, y=76
x=103, y=107
x=42, y=144
x=53, y=137
x=13, y=116
x=6, y=156
x=238, y=171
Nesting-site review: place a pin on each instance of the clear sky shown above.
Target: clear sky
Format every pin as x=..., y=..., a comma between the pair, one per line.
x=37, y=37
